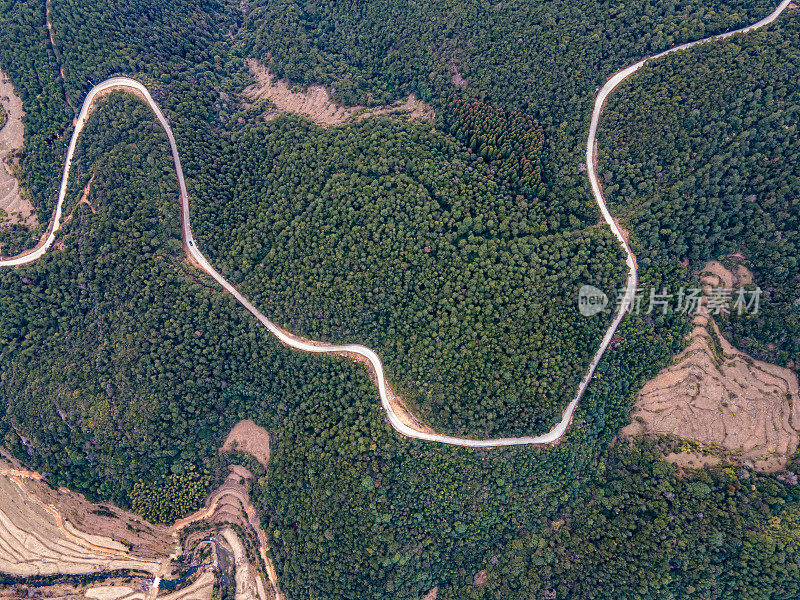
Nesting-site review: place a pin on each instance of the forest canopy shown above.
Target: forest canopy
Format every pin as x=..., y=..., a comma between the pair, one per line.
x=453, y=248
x=705, y=166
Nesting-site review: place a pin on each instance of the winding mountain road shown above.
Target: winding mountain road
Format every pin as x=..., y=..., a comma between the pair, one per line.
x=409, y=430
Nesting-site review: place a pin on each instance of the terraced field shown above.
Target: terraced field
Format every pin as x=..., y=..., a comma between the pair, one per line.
x=44, y=531
x=35, y=539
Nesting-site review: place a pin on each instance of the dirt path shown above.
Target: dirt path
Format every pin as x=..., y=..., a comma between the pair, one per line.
x=55, y=50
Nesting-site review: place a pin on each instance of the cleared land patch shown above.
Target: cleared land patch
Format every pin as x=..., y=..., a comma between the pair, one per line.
x=248, y=437
x=44, y=531
x=316, y=104
x=229, y=505
x=720, y=397
x=200, y=589
x=16, y=208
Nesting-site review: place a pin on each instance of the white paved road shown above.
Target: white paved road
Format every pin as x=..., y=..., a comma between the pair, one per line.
x=124, y=83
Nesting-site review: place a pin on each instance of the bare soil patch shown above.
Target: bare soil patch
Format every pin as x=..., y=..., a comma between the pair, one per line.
x=721, y=397
x=109, y=592
x=57, y=591
x=248, y=583
x=248, y=437
x=692, y=460
x=200, y=589
x=432, y=594
x=457, y=80
x=44, y=531
x=316, y=104
x=85, y=195
x=17, y=207
x=716, y=274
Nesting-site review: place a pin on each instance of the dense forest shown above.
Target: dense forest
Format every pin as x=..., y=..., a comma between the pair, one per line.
x=539, y=57
x=644, y=532
x=543, y=58
x=108, y=389
x=699, y=156
x=394, y=236
x=453, y=248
